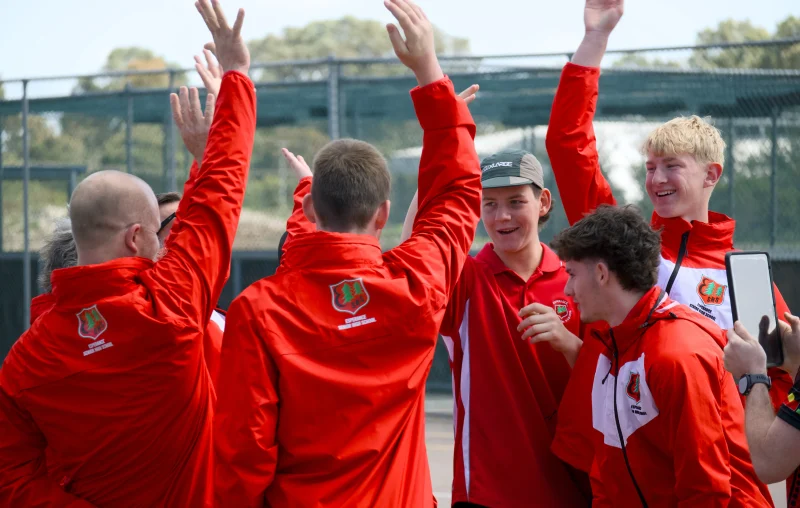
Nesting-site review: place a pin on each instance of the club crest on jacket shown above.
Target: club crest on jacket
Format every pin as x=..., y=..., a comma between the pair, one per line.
x=349, y=295
x=633, y=387
x=91, y=324
x=562, y=309
x=710, y=291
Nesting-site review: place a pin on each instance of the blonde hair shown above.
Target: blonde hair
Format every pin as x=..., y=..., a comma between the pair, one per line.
x=692, y=136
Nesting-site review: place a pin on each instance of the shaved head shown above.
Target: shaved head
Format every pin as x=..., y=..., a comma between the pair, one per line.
x=113, y=215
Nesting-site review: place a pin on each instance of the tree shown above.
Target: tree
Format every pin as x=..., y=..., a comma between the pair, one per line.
x=347, y=37
x=133, y=59
x=639, y=61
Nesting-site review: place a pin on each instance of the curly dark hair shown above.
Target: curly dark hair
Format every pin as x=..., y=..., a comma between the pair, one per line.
x=621, y=238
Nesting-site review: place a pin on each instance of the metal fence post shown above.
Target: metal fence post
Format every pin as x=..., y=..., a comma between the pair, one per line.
x=731, y=168
x=2, y=176
x=333, y=98
x=172, y=183
x=26, y=174
x=773, y=176
x=129, y=131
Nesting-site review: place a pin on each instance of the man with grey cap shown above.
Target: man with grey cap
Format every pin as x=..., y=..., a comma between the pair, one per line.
x=507, y=383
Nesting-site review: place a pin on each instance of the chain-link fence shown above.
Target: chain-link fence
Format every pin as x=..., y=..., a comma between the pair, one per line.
x=55, y=131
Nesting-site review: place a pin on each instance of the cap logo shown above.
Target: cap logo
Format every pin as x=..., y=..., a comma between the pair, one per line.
x=497, y=165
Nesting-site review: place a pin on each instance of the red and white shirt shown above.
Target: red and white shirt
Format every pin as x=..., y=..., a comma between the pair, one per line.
x=506, y=391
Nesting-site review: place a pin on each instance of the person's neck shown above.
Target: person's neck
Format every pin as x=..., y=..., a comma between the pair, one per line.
x=700, y=214
x=96, y=257
x=525, y=261
x=620, y=304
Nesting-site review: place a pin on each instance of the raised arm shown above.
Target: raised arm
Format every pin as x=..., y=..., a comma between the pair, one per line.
x=449, y=174
x=468, y=95
x=571, y=143
x=194, y=269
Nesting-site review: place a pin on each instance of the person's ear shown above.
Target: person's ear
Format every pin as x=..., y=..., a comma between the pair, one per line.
x=713, y=172
x=133, y=235
x=602, y=274
x=381, y=216
x=308, y=209
x=545, y=202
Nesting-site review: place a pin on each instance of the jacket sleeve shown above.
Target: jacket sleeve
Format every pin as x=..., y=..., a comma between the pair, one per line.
x=688, y=390
x=195, y=267
x=449, y=192
x=246, y=415
x=298, y=224
x=23, y=471
x=572, y=146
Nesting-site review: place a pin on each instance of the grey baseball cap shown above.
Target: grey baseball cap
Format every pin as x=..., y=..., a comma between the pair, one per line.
x=510, y=168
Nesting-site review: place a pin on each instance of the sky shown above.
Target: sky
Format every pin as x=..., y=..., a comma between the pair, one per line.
x=57, y=37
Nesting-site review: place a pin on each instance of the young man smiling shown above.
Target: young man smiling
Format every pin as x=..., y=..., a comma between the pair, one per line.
x=506, y=389
x=685, y=158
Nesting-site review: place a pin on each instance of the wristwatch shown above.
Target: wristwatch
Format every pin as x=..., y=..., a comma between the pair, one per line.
x=748, y=381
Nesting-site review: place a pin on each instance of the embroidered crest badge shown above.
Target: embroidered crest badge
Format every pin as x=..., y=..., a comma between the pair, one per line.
x=91, y=324
x=711, y=292
x=349, y=296
x=632, y=390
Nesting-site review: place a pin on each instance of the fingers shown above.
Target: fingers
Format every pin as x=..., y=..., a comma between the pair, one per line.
x=542, y=337
x=237, y=24
x=534, y=308
x=539, y=329
x=417, y=9
x=793, y=321
x=211, y=63
x=469, y=94
x=406, y=6
x=396, y=39
x=220, y=15
x=211, y=103
x=183, y=97
x=741, y=333
x=399, y=14
x=175, y=103
x=211, y=47
x=194, y=104
x=208, y=14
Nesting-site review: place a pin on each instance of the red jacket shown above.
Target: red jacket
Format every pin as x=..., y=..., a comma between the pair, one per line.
x=337, y=345
x=698, y=249
x=667, y=414
x=110, y=385
x=212, y=338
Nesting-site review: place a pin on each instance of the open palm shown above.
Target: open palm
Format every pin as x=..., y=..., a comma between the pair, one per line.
x=602, y=15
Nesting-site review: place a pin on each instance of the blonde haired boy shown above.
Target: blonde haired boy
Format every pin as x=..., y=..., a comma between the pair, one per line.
x=684, y=160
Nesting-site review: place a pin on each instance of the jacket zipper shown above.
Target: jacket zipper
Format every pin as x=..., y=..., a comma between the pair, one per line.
x=619, y=427
x=681, y=254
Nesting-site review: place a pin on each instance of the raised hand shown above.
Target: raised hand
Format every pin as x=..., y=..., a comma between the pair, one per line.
x=297, y=163
x=541, y=323
x=470, y=93
x=602, y=15
x=228, y=45
x=210, y=74
x=743, y=354
x=417, y=51
x=192, y=123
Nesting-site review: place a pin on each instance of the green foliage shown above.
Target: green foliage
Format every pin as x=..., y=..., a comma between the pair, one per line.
x=347, y=37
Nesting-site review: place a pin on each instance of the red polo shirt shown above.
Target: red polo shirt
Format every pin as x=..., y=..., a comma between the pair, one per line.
x=506, y=391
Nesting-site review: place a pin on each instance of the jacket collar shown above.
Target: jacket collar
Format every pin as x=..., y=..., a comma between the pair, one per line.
x=41, y=304
x=319, y=249
x=88, y=284
x=650, y=308
x=714, y=235
x=550, y=261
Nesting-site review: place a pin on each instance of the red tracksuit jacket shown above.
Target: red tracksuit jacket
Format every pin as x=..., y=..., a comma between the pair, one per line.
x=106, y=400
x=667, y=414
x=698, y=249
x=337, y=345
x=212, y=338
